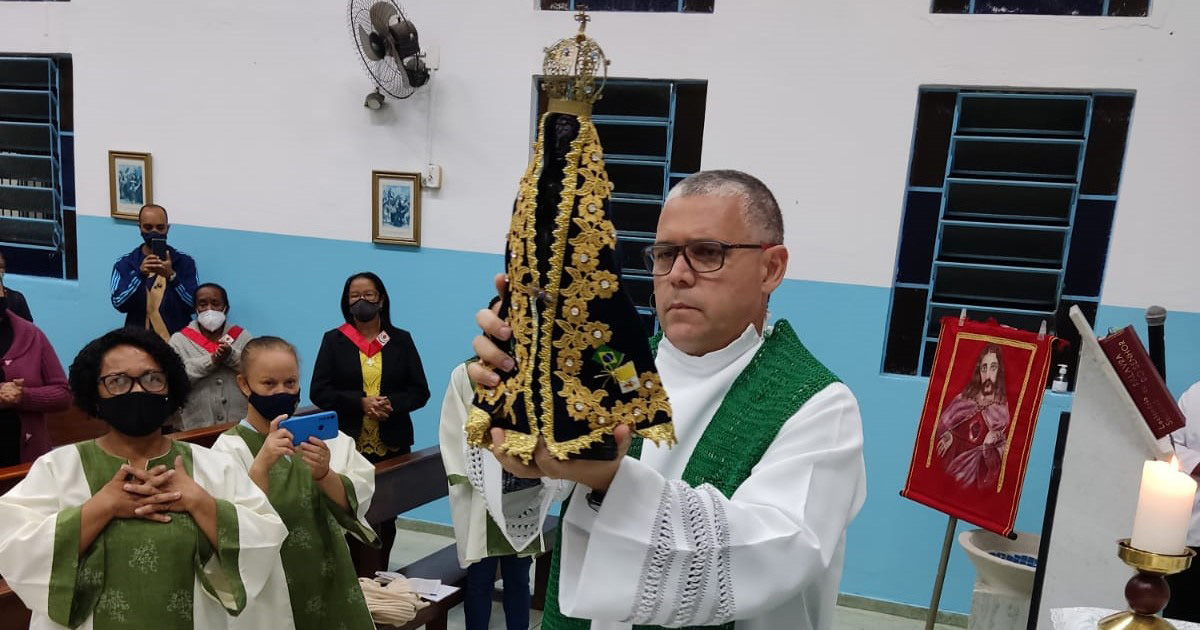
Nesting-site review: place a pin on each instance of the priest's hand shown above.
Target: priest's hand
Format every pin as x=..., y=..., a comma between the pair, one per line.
x=491, y=357
x=513, y=465
x=595, y=474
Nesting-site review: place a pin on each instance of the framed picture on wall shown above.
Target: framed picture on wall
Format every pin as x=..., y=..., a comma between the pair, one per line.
x=396, y=208
x=130, y=183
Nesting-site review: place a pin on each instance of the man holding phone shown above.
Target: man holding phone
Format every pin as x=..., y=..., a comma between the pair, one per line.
x=153, y=285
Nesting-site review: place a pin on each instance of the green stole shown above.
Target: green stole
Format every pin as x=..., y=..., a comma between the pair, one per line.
x=782, y=376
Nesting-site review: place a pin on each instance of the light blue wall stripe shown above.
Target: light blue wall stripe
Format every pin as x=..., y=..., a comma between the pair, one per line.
x=289, y=286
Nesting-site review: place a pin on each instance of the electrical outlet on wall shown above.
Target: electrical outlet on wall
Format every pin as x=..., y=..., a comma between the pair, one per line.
x=432, y=177
x=433, y=55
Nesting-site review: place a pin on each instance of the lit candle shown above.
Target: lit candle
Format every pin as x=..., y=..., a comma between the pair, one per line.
x=1164, y=509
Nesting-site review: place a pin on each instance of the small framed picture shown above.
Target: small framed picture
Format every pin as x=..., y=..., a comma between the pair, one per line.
x=130, y=183
x=396, y=213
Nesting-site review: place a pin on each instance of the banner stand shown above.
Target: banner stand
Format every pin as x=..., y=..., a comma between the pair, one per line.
x=936, y=600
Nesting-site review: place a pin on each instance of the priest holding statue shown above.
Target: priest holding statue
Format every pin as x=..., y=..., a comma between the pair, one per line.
x=715, y=487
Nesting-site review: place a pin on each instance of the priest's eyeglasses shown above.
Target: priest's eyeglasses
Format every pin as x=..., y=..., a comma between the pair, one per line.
x=701, y=256
x=121, y=383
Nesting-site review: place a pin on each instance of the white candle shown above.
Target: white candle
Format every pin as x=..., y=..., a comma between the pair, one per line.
x=1164, y=509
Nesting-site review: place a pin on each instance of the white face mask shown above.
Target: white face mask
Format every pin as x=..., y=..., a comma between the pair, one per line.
x=211, y=320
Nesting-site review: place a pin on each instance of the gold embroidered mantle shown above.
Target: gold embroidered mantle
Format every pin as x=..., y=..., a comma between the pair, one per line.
x=552, y=310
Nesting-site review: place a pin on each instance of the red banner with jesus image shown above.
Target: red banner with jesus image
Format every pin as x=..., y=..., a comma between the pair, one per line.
x=985, y=391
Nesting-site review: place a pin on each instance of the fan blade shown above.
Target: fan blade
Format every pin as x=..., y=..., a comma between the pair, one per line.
x=364, y=42
x=381, y=16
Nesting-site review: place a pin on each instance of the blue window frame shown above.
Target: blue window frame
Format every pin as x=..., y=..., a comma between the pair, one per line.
x=654, y=6
x=1111, y=8
x=652, y=132
x=37, y=189
x=1008, y=213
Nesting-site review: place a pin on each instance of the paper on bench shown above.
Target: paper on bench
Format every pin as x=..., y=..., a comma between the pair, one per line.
x=443, y=591
x=432, y=590
x=424, y=586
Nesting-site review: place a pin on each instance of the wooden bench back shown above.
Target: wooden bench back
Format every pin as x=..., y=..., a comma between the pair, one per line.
x=12, y=475
x=71, y=426
x=407, y=482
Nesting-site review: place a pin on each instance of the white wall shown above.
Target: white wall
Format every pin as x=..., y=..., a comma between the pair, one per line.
x=253, y=112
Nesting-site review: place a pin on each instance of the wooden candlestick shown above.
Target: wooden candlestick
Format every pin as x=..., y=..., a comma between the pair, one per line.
x=1147, y=591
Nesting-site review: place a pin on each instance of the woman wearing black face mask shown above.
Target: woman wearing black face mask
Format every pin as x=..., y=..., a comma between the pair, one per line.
x=321, y=489
x=369, y=372
x=134, y=523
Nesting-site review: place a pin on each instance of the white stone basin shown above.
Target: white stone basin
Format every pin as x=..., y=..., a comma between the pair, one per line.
x=999, y=573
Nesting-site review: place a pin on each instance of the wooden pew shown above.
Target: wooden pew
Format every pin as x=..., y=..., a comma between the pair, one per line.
x=13, y=613
x=205, y=437
x=12, y=475
x=73, y=425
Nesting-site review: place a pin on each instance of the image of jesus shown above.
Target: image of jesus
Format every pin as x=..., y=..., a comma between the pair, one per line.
x=972, y=428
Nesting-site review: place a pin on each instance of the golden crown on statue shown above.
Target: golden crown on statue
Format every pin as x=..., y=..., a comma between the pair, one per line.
x=575, y=68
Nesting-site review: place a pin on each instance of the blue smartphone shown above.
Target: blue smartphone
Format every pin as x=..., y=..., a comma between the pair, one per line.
x=323, y=425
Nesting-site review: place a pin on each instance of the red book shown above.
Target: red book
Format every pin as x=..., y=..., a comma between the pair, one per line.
x=1143, y=382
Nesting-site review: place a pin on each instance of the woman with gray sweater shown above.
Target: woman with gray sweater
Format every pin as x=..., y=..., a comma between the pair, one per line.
x=211, y=350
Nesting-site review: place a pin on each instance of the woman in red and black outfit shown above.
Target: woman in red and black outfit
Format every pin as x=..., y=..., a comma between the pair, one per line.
x=369, y=372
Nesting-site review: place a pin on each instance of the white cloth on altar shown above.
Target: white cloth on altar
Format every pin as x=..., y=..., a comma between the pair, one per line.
x=1086, y=618
x=661, y=552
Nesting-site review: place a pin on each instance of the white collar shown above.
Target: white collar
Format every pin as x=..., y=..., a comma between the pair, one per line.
x=714, y=361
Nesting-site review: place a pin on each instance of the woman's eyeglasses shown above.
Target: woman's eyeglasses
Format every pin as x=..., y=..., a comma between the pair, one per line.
x=121, y=383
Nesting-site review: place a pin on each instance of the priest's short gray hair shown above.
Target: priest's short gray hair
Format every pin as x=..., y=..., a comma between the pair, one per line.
x=759, y=208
